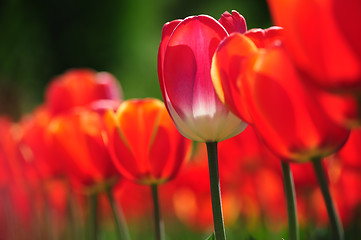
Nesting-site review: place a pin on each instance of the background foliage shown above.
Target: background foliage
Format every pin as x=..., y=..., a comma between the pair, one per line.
x=42, y=39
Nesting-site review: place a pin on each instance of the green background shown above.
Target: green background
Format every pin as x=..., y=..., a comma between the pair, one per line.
x=42, y=39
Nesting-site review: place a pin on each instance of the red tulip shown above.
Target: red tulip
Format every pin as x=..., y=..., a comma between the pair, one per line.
x=342, y=108
x=350, y=152
x=323, y=39
x=37, y=138
x=80, y=88
x=78, y=141
x=135, y=200
x=184, y=62
x=16, y=159
x=144, y=143
x=19, y=183
x=5, y=174
x=270, y=93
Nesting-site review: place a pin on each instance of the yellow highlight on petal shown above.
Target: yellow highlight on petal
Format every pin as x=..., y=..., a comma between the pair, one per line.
x=216, y=79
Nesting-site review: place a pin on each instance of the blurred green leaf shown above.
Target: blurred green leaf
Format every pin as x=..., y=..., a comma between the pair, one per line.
x=211, y=237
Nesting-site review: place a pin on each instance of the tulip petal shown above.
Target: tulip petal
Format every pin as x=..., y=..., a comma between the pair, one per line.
x=264, y=38
x=160, y=152
x=349, y=21
x=234, y=22
x=227, y=70
x=123, y=157
x=187, y=64
x=137, y=120
x=285, y=114
x=317, y=43
x=167, y=30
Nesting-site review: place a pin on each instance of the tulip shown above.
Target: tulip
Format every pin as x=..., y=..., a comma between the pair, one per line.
x=345, y=177
x=80, y=88
x=320, y=34
x=145, y=146
x=184, y=62
x=78, y=140
x=275, y=100
x=322, y=39
x=37, y=138
x=19, y=182
x=277, y=103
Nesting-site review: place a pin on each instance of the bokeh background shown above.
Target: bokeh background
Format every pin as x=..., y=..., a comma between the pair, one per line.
x=42, y=39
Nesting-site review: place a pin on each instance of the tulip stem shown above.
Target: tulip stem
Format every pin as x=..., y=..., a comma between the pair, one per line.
x=293, y=231
x=331, y=210
x=158, y=221
x=119, y=218
x=92, y=220
x=218, y=222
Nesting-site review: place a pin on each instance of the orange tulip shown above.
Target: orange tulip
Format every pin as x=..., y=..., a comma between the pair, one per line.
x=144, y=143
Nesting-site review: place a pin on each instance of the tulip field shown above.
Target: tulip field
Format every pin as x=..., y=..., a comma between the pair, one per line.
x=257, y=136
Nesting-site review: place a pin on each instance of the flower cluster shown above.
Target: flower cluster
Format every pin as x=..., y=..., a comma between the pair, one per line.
x=271, y=104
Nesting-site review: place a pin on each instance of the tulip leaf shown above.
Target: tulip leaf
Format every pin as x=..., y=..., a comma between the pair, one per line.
x=211, y=237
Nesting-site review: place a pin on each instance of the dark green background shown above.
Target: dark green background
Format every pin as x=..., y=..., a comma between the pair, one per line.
x=41, y=39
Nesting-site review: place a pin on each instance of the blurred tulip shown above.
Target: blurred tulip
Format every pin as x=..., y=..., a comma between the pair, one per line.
x=251, y=180
x=80, y=88
x=321, y=37
x=184, y=61
x=37, y=139
x=322, y=40
x=190, y=195
x=4, y=164
x=144, y=144
x=250, y=169
x=274, y=99
x=342, y=108
x=350, y=152
x=20, y=188
x=78, y=140
x=345, y=177
x=135, y=200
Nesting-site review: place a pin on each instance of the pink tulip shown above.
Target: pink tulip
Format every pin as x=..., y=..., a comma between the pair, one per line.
x=184, y=63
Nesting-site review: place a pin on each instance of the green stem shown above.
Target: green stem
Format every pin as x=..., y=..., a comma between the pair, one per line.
x=331, y=210
x=215, y=191
x=158, y=222
x=119, y=219
x=93, y=223
x=293, y=231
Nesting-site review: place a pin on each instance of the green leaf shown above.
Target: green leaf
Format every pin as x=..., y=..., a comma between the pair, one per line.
x=211, y=237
